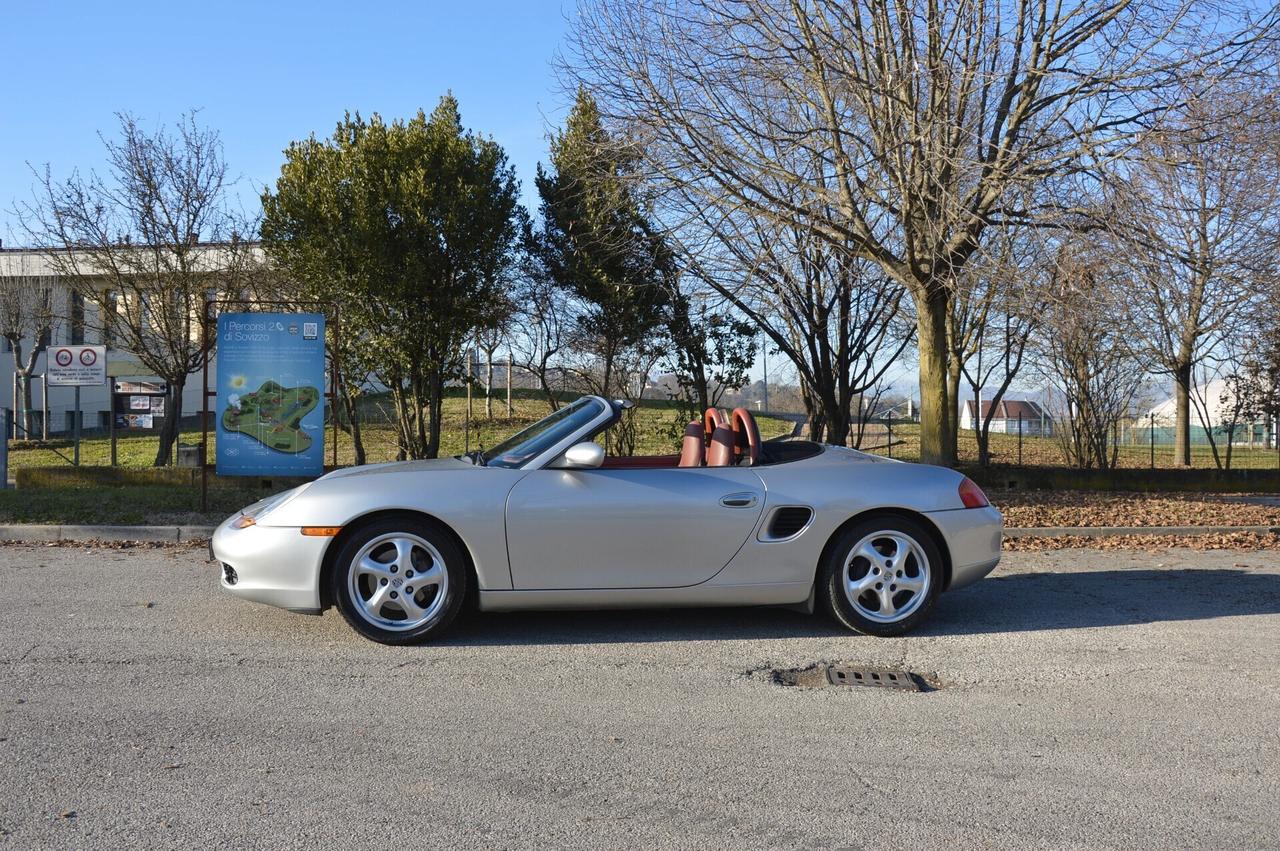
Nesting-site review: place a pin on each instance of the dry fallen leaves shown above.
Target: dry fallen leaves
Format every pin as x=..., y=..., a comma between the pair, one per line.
x=1150, y=543
x=1024, y=509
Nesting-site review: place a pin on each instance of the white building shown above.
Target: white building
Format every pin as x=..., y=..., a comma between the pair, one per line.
x=75, y=323
x=1008, y=413
x=1213, y=403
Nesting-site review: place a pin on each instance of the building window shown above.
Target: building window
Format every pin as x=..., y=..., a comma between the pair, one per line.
x=77, y=318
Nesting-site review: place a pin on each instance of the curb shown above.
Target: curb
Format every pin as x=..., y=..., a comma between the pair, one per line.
x=1123, y=531
x=38, y=534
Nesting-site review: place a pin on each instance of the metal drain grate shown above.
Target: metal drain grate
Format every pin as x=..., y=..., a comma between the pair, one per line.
x=845, y=675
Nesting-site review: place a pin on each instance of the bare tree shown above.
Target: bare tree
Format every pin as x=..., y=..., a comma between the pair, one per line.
x=27, y=322
x=494, y=332
x=1087, y=360
x=837, y=318
x=712, y=349
x=1197, y=205
x=1254, y=380
x=134, y=236
x=996, y=310
x=541, y=335
x=914, y=126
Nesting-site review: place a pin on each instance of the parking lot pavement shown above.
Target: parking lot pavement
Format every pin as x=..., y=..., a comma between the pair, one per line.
x=1088, y=699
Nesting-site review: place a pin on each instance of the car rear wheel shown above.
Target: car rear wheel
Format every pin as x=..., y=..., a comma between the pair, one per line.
x=399, y=580
x=882, y=577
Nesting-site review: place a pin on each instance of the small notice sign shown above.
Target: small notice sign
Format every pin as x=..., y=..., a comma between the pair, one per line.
x=78, y=366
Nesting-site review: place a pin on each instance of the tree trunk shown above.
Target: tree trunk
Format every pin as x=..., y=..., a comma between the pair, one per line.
x=701, y=390
x=488, y=385
x=348, y=409
x=357, y=438
x=22, y=405
x=953, y=398
x=547, y=391
x=937, y=437
x=608, y=373
x=981, y=427
x=984, y=447
x=172, y=423
x=1182, y=417
x=435, y=411
x=837, y=416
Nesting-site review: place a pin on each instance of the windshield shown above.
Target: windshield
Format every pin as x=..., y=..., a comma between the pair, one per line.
x=543, y=434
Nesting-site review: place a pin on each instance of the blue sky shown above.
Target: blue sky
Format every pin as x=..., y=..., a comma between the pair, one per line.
x=266, y=73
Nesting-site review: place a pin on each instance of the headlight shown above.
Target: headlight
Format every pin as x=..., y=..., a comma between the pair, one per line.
x=260, y=509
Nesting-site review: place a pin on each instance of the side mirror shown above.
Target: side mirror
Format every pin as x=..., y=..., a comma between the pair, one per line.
x=581, y=456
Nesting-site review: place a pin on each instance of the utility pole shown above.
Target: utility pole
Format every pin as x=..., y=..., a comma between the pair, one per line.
x=467, y=417
x=764, y=351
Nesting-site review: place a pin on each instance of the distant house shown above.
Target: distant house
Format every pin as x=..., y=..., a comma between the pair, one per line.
x=1005, y=418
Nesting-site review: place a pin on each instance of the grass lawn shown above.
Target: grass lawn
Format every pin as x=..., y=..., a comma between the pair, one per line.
x=162, y=505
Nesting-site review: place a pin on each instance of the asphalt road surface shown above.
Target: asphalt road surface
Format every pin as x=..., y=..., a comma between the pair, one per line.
x=1088, y=699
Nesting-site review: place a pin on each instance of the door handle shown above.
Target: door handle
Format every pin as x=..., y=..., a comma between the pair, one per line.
x=738, y=500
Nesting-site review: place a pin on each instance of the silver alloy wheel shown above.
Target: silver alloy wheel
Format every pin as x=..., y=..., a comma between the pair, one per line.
x=886, y=576
x=398, y=581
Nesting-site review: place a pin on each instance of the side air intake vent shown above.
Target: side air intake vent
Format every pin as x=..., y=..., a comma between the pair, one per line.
x=789, y=521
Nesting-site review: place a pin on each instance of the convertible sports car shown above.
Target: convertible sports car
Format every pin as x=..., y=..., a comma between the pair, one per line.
x=548, y=520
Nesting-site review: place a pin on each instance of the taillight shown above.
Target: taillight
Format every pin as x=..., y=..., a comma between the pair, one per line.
x=971, y=495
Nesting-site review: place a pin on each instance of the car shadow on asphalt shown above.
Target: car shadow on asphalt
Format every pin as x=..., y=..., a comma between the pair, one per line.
x=634, y=626
x=1021, y=602
x=1026, y=602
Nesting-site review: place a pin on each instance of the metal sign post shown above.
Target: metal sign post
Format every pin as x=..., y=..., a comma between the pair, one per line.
x=77, y=366
x=4, y=451
x=75, y=427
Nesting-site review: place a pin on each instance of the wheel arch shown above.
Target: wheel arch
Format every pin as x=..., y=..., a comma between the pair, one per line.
x=355, y=525
x=905, y=513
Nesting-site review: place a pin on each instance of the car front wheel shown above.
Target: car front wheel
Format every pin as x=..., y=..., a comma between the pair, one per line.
x=399, y=580
x=882, y=577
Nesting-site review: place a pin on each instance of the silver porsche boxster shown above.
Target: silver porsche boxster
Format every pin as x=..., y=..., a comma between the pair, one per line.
x=550, y=520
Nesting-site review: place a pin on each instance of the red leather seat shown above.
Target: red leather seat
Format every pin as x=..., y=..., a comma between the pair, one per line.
x=693, y=449
x=720, y=451
x=712, y=419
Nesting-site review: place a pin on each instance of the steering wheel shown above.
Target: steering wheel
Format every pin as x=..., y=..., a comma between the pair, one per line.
x=746, y=436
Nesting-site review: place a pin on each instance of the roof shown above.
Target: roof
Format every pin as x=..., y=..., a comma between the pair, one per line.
x=37, y=262
x=1007, y=409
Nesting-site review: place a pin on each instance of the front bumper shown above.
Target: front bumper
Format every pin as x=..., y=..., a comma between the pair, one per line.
x=276, y=565
x=973, y=536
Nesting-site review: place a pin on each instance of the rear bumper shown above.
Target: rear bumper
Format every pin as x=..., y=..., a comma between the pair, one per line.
x=973, y=537
x=275, y=565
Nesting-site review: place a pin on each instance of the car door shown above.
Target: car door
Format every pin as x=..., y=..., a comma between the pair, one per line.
x=628, y=528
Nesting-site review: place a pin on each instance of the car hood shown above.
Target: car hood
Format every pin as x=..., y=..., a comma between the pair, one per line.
x=426, y=466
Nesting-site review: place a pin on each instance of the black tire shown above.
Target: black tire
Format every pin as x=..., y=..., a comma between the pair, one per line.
x=381, y=544
x=923, y=558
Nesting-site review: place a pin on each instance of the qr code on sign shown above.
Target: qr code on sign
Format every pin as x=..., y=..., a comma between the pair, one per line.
x=310, y=330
